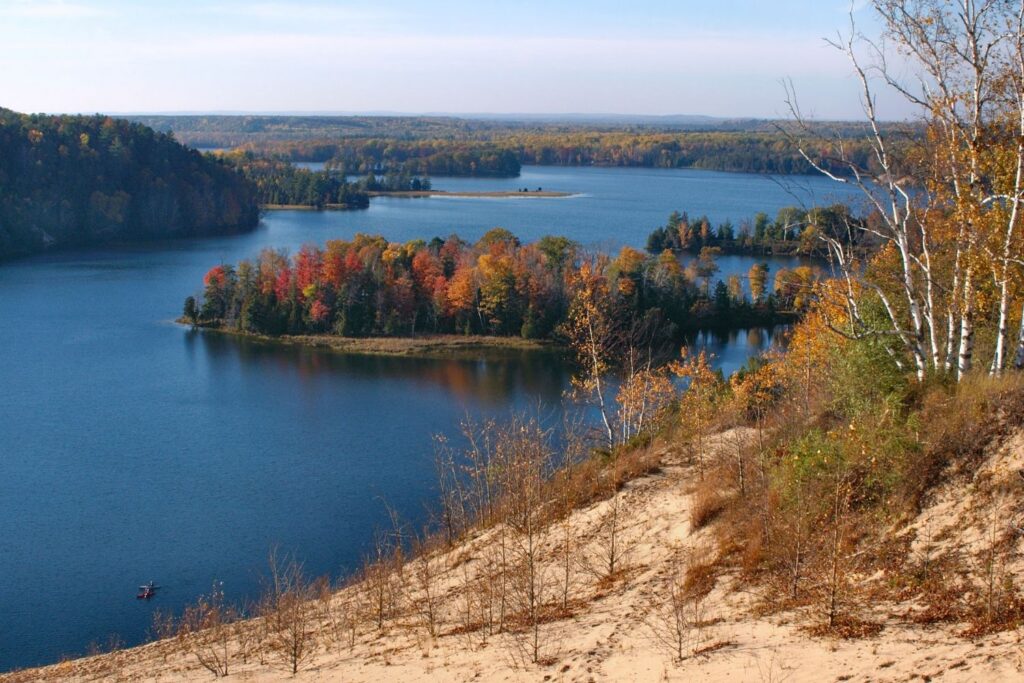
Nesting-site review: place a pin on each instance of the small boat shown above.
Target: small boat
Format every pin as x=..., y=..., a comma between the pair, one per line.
x=147, y=591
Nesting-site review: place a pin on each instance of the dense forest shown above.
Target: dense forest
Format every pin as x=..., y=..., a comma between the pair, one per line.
x=794, y=231
x=427, y=157
x=78, y=180
x=497, y=286
x=411, y=158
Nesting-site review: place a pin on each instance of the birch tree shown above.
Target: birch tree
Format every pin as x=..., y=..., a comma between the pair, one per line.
x=946, y=193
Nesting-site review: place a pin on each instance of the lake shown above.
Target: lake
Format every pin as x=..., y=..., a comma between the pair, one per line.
x=134, y=449
x=610, y=206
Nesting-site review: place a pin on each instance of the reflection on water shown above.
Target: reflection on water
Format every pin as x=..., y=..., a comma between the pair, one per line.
x=731, y=349
x=487, y=377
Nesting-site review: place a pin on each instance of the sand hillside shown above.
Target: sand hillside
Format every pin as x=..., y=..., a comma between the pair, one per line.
x=620, y=629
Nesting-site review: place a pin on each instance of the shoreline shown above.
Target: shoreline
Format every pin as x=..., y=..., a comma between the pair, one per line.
x=420, y=194
x=452, y=346
x=310, y=207
x=426, y=346
x=532, y=194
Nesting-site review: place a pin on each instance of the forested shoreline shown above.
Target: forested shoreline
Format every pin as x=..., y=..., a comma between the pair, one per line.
x=279, y=183
x=503, y=155
x=68, y=181
x=369, y=287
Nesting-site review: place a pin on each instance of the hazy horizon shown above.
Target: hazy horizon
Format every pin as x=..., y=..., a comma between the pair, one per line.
x=525, y=116
x=323, y=57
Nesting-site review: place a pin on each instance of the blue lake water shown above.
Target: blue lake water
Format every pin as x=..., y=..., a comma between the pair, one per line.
x=134, y=449
x=610, y=206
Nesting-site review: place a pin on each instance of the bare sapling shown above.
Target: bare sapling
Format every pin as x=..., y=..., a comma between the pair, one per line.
x=773, y=669
x=250, y=634
x=526, y=457
x=474, y=607
x=836, y=558
x=574, y=447
x=485, y=588
x=998, y=603
x=453, y=516
x=163, y=626
x=672, y=622
x=337, y=614
x=610, y=553
x=497, y=581
x=384, y=574
x=376, y=585
x=289, y=613
x=735, y=447
x=208, y=630
x=607, y=557
x=428, y=577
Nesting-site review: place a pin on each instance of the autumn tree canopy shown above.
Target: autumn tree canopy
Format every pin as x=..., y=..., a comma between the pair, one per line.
x=497, y=286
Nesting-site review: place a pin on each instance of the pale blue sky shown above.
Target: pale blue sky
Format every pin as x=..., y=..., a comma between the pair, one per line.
x=723, y=58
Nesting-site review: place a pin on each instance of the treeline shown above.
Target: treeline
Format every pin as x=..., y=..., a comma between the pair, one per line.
x=762, y=152
x=220, y=131
x=502, y=153
x=394, y=182
x=441, y=157
x=456, y=146
x=427, y=157
x=280, y=182
x=794, y=231
x=497, y=286
x=79, y=180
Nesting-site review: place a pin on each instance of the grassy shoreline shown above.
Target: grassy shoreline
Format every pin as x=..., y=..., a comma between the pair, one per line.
x=426, y=346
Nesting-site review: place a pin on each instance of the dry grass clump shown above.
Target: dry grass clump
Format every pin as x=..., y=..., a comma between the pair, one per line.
x=706, y=504
x=846, y=628
x=956, y=427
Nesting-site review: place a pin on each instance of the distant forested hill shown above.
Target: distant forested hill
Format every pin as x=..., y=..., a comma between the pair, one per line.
x=450, y=146
x=81, y=180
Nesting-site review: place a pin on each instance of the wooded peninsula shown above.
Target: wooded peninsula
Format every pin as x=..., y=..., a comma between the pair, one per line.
x=81, y=180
